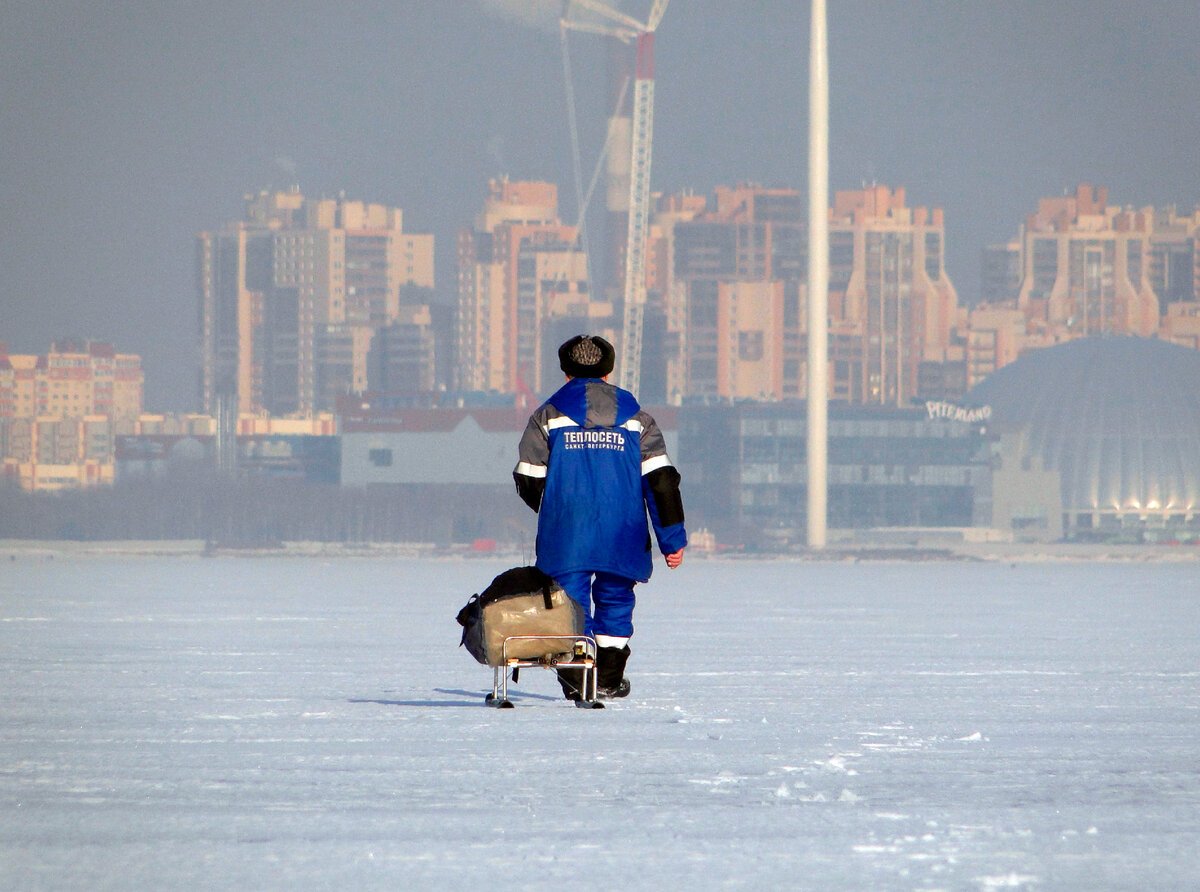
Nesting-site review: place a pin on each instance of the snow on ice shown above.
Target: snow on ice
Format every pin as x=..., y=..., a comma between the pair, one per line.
x=308, y=723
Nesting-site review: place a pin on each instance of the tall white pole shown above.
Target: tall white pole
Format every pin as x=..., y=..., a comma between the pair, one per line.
x=818, y=276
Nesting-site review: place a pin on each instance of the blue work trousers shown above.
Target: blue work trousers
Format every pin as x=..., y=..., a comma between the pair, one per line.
x=612, y=597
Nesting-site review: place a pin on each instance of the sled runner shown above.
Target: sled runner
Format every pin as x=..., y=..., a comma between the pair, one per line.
x=525, y=619
x=580, y=654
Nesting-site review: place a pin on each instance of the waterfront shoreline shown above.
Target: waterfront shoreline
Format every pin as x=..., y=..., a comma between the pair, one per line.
x=988, y=552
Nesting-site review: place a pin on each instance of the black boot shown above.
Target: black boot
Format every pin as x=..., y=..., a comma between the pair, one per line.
x=610, y=670
x=571, y=682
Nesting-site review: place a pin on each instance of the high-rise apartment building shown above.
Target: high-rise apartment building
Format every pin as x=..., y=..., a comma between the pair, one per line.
x=522, y=289
x=732, y=308
x=59, y=412
x=410, y=355
x=292, y=296
x=72, y=380
x=664, y=353
x=740, y=268
x=1084, y=268
x=1001, y=280
x=893, y=309
x=1174, y=274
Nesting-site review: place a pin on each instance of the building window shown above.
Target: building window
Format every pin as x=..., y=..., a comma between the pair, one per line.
x=750, y=346
x=1045, y=267
x=933, y=255
x=703, y=304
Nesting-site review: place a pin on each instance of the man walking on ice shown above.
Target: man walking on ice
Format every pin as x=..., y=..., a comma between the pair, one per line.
x=593, y=465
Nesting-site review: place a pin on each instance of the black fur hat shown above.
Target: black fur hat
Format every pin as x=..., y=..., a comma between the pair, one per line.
x=587, y=356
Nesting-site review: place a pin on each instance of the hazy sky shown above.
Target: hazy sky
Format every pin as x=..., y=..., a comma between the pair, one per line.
x=128, y=127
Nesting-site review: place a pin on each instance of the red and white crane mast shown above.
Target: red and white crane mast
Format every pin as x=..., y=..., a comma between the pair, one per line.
x=641, y=144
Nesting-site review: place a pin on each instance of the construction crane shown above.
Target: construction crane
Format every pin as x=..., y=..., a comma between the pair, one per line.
x=628, y=29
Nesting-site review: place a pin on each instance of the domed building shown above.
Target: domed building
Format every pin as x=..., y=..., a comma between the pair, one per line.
x=1118, y=419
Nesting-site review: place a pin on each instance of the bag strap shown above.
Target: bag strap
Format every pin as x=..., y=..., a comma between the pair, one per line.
x=546, y=593
x=464, y=615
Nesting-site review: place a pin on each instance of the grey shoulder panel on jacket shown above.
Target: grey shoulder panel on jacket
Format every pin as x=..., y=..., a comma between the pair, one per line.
x=652, y=439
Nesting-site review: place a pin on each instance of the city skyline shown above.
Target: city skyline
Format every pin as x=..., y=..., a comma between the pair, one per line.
x=125, y=134
x=307, y=300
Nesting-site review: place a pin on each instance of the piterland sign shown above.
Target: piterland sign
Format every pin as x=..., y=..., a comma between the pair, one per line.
x=957, y=413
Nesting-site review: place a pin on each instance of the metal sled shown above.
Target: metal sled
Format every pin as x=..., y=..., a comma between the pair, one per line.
x=576, y=651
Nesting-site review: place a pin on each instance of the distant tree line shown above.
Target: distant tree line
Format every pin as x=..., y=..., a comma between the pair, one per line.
x=257, y=511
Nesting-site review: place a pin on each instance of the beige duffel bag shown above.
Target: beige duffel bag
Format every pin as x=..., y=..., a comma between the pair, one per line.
x=520, y=602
